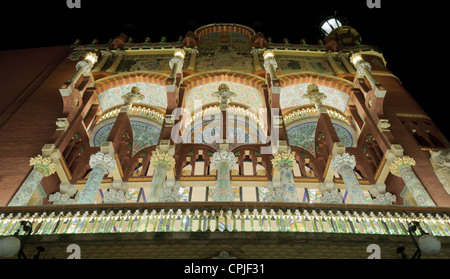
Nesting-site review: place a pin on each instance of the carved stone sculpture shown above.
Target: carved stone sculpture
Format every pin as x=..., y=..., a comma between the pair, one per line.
x=440, y=160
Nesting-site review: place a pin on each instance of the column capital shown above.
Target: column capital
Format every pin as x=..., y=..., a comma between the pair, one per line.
x=164, y=159
x=223, y=157
x=106, y=53
x=120, y=53
x=283, y=159
x=399, y=163
x=255, y=51
x=193, y=51
x=43, y=165
x=176, y=61
x=341, y=160
x=103, y=161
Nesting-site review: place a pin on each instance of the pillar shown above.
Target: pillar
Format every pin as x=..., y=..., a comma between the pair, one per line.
x=119, y=55
x=270, y=64
x=256, y=64
x=42, y=167
x=344, y=165
x=176, y=62
x=101, y=164
x=401, y=167
x=344, y=59
x=192, y=60
x=83, y=67
x=334, y=66
x=223, y=161
x=106, y=55
x=162, y=162
x=283, y=163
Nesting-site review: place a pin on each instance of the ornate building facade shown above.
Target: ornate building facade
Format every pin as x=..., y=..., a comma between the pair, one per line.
x=220, y=141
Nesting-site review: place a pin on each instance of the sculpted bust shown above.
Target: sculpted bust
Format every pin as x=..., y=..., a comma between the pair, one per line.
x=440, y=160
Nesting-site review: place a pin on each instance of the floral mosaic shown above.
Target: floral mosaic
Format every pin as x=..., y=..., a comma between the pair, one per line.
x=144, y=134
x=242, y=132
x=302, y=135
x=155, y=95
x=245, y=94
x=291, y=97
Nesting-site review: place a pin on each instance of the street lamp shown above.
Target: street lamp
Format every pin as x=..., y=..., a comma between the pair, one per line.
x=427, y=243
x=11, y=245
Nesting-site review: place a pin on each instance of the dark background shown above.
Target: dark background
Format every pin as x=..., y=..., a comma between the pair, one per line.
x=411, y=34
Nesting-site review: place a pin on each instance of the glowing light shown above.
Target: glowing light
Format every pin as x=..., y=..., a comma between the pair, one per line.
x=356, y=58
x=91, y=57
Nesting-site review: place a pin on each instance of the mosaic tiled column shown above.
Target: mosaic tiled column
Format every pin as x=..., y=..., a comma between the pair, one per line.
x=101, y=164
x=284, y=162
x=344, y=165
x=223, y=161
x=161, y=162
x=42, y=167
x=401, y=166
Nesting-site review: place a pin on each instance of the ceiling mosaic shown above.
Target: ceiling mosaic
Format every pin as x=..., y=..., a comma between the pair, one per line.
x=302, y=135
x=291, y=97
x=144, y=134
x=245, y=94
x=155, y=95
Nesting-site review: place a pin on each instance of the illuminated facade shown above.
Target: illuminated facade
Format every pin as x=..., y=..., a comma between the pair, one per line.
x=221, y=137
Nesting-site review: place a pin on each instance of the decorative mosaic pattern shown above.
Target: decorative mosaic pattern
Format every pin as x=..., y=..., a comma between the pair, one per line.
x=245, y=94
x=224, y=50
x=209, y=130
x=144, y=135
x=302, y=135
x=155, y=95
x=291, y=97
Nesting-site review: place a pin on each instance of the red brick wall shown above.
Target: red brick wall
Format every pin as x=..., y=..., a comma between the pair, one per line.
x=32, y=121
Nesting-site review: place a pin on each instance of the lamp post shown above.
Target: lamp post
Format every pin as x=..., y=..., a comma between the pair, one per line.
x=11, y=245
x=426, y=243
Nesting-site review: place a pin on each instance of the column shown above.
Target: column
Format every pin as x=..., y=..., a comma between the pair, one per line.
x=270, y=64
x=176, y=62
x=334, y=66
x=101, y=164
x=344, y=59
x=344, y=165
x=401, y=167
x=42, y=167
x=192, y=60
x=283, y=162
x=256, y=64
x=106, y=55
x=363, y=68
x=223, y=161
x=162, y=162
x=119, y=55
x=83, y=67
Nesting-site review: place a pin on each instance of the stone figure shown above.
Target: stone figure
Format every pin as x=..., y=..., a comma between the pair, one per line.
x=440, y=160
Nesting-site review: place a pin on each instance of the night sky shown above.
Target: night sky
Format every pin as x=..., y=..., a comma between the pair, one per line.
x=411, y=34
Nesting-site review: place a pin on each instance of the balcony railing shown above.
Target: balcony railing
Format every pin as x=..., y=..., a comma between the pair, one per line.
x=224, y=217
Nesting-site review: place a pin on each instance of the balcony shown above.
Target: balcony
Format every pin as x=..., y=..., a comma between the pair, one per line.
x=224, y=217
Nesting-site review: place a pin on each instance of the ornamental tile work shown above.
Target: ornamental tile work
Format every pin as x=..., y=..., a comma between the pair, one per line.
x=208, y=130
x=302, y=135
x=155, y=95
x=291, y=97
x=245, y=94
x=144, y=134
